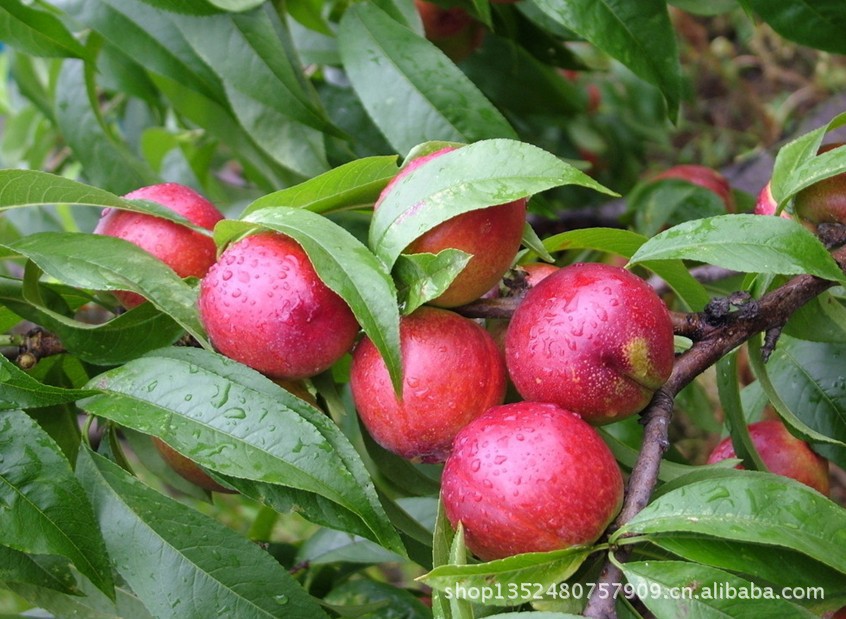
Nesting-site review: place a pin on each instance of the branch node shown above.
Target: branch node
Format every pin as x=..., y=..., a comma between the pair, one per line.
x=770, y=340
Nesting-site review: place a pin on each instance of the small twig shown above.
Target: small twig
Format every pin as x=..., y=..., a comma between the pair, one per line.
x=33, y=347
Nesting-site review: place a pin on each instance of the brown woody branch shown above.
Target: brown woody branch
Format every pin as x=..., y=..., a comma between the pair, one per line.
x=714, y=338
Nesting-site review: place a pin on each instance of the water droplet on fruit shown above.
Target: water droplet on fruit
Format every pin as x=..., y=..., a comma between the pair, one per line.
x=500, y=459
x=236, y=294
x=520, y=437
x=475, y=465
x=477, y=496
x=227, y=275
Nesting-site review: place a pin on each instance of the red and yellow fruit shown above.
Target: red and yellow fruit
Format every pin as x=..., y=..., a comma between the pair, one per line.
x=594, y=339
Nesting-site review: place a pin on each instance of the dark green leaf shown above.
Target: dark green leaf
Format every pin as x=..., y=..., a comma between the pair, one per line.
x=91, y=605
x=638, y=34
x=106, y=263
x=327, y=546
x=405, y=475
x=809, y=381
x=353, y=185
x=521, y=578
x=20, y=390
x=469, y=178
x=45, y=511
x=818, y=24
x=753, y=507
x=797, y=408
x=151, y=538
x=747, y=243
x=390, y=600
x=399, y=75
x=234, y=421
x=822, y=319
x=344, y=264
x=108, y=162
x=41, y=571
x=703, y=590
x=423, y=277
x=36, y=32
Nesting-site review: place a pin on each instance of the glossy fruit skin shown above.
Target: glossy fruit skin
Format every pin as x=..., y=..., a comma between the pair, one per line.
x=457, y=33
x=263, y=305
x=187, y=252
x=782, y=453
x=704, y=177
x=452, y=373
x=187, y=468
x=825, y=200
x=592, y=338
x=530, y=477
x=492, y=235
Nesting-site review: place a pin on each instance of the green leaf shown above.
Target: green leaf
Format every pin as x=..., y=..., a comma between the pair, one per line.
x=144, y=31
x=29, y=188
x=41, y=571
x=115, y=341
x=818, y=24
x=108, y=162
x=638, y=34
x=234, y=421
x=45, y=511
x=151, y=538
x=511, y=581
x=353, y=185
x=344, y=264
x=20, y=390
x=386, y=599
x=822, y=319
x=788, y=173
x=790, y=370
x=102, y=262
x=747, y=243
x=92, y=604
x=768, y=563
x=469, y=178
x=729, y=391
x=661, y=204
x=808, y=378
x=399, y=76
x=753, y=507
x=677, y=589
x=327, y=546
x=626, y=243
x=35, y=32
x=423, y=277
x=236, y=5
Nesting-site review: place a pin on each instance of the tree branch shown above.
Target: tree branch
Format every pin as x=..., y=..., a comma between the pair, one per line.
x=713, y=342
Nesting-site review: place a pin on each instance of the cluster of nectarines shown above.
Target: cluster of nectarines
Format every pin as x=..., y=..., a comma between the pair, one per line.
x=588, y=344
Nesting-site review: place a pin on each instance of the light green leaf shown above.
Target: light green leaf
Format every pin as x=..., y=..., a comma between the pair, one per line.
x=472, y=177
x=747, y=243
x=423, y=277
x=353, y=185
x=37, y=32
